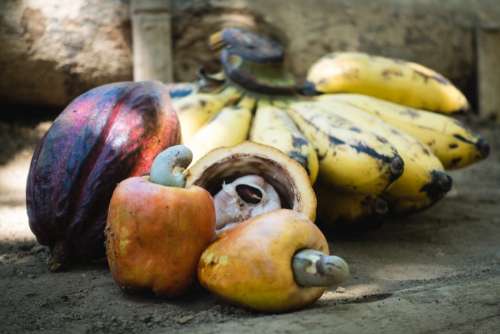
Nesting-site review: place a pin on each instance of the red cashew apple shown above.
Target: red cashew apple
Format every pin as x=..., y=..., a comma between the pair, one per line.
x=157, y=229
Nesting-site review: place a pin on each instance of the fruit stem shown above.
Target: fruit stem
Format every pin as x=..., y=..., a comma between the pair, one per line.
x=312, y=268
x=168, y=166
x=57, y=256
x=210, y=82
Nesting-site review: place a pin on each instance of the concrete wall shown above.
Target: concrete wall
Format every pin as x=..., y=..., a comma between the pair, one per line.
x=52, y=57
x=52, y=50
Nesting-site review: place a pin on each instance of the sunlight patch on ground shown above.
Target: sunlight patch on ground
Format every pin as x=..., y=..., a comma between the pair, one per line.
x=13, y=178
x=14, y=224
x=13, y=217
x=352, y=291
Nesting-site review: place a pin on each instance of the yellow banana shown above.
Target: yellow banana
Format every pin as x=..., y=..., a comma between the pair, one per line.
x=349, y=159
x=336, y=207
x=448, y=139
x=227, y=128
x=394, y=80
x=423, y=180
x=196, y=109
x=273, y=127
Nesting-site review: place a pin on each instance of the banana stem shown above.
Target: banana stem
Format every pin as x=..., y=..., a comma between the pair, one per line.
x=168, y=166
x=247, y=44
x=210, y=82
x=312, y=268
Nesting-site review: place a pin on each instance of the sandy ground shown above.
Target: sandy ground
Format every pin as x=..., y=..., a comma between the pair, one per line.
x=438, y=271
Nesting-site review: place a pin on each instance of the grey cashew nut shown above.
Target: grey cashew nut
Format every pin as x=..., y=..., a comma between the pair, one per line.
x=168, y=166
x=314, y=268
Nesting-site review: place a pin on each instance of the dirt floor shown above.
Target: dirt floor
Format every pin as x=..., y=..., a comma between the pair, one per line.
x=438, y=271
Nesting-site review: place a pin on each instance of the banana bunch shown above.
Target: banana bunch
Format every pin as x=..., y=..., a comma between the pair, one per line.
x=228, y=116
x=423, y=180
x=371, y=137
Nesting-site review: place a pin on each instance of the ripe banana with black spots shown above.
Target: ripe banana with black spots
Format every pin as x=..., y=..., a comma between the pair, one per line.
x=194, y=110
x=337, y=207
x=454, y=144
x=394, y=80
x=227, y=128
x=423, y=180
x=350, y=159
x=273, y=127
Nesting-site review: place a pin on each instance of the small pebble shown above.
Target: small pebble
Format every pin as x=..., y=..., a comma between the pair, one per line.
x=185, y=319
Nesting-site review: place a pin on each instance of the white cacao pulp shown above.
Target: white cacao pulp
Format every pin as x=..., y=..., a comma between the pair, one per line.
x=245, y=197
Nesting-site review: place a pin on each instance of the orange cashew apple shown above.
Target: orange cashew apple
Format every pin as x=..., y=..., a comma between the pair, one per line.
x=274, y=262
x=157, y=229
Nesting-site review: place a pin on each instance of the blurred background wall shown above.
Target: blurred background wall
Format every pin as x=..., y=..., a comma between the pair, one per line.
x=52, y=50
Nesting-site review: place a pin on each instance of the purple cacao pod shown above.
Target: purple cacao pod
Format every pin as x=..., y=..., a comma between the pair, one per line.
x=104, y=136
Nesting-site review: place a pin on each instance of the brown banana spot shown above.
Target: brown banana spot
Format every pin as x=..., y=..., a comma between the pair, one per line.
x=388, y=73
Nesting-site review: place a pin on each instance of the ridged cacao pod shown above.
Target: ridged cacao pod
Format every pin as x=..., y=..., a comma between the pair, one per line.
x=104, y=136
